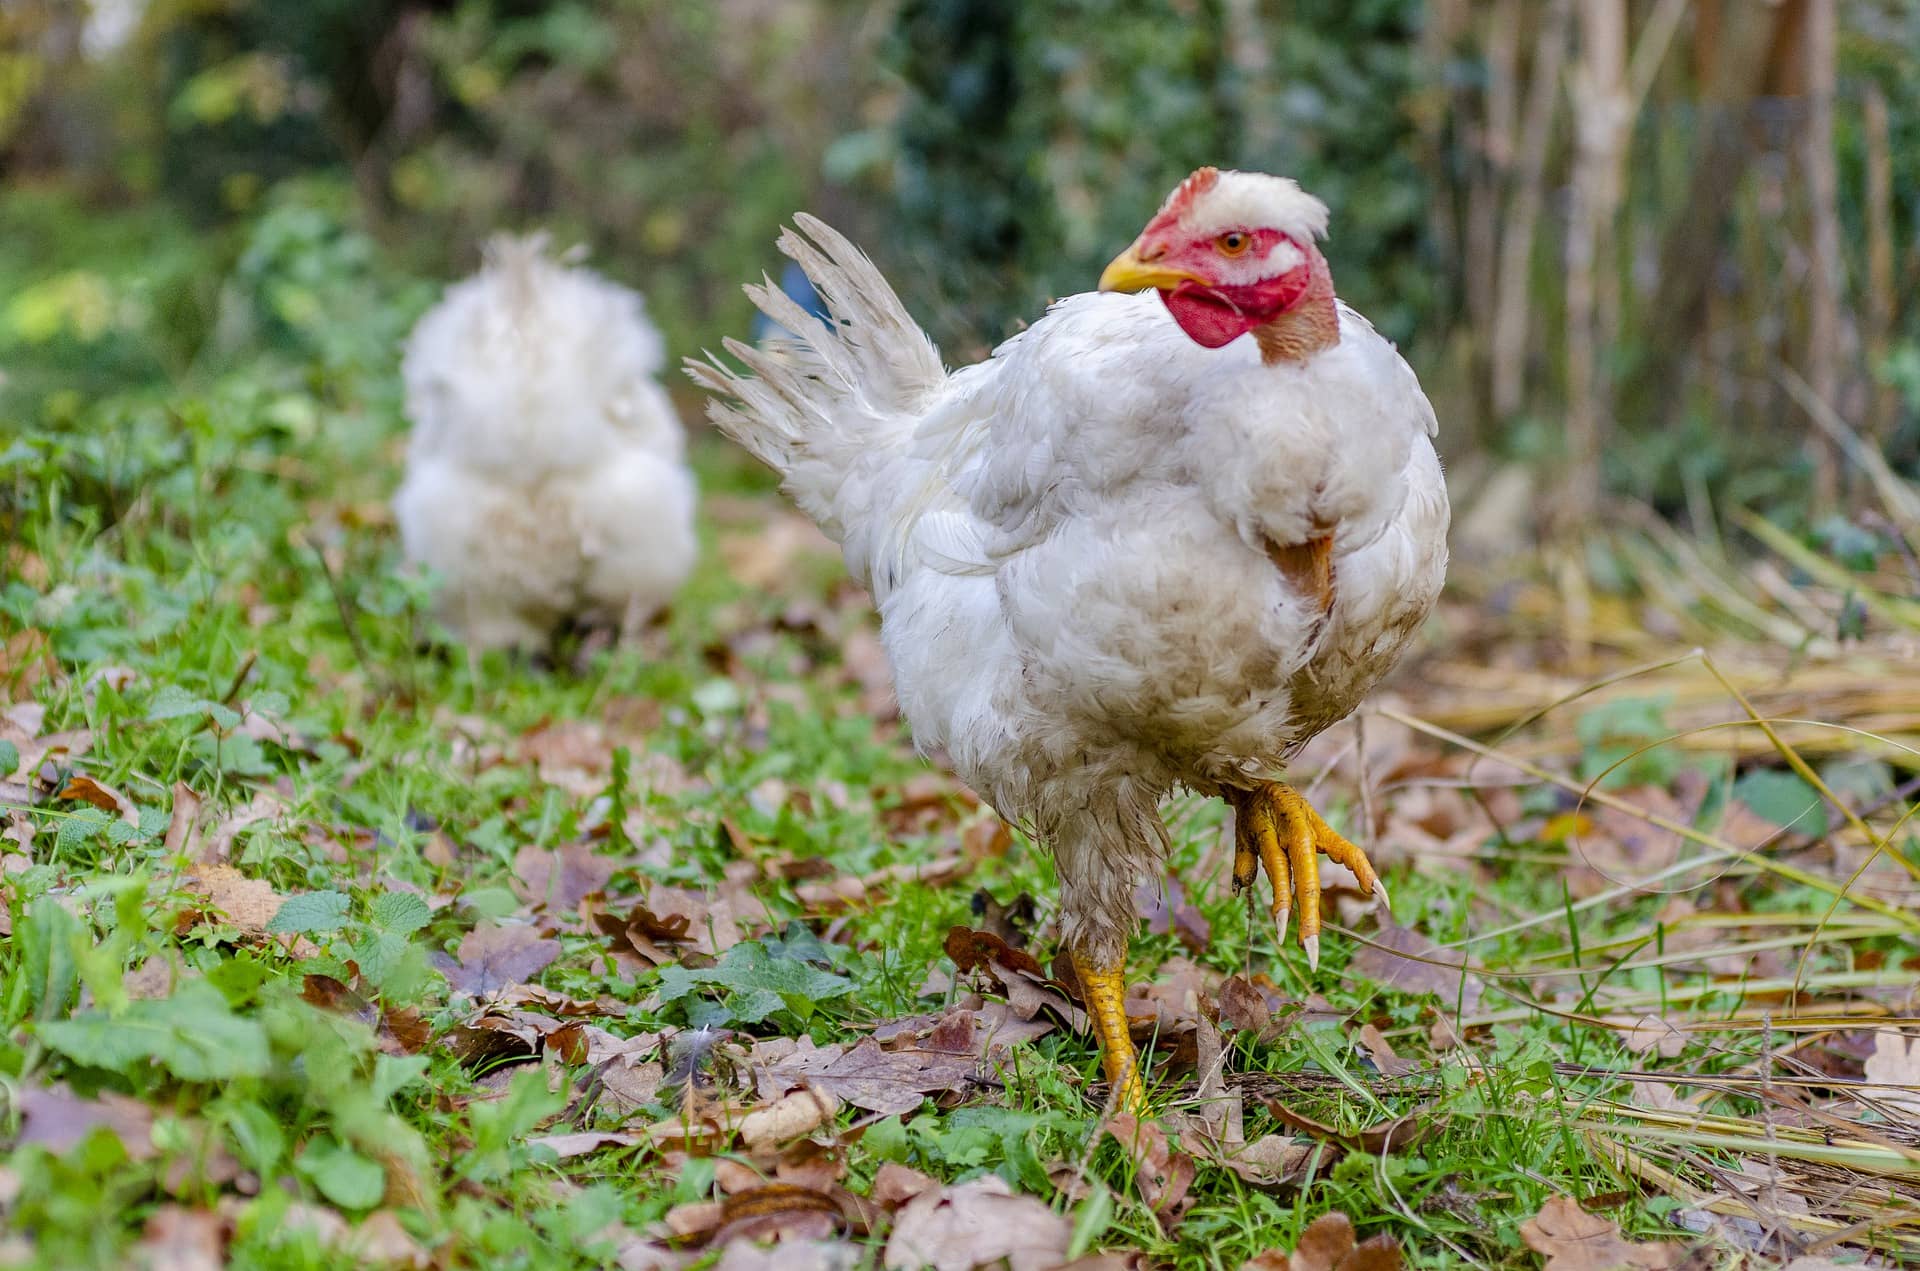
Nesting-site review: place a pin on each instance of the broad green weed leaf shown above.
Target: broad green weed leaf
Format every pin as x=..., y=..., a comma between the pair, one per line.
x=193, y=1035
x=400, y=913
x=342, y=1175
x=1783, y=798
x=310, y=913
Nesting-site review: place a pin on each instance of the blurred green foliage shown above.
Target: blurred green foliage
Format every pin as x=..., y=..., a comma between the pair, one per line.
x=992, y=154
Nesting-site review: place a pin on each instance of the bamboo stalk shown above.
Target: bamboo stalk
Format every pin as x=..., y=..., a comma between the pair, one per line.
x=1510, y=329
x=1824, y=276
x=1884, y=405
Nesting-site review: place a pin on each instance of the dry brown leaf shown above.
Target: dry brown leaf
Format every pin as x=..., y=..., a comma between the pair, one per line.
x=559, y=881
x=1163, y=904
x=573, y=754
x=977, y=1224
x=792, y=1255
x=218, y=846
x=58, y=1120
x=567, y=1146
x=781, y=1211
x=1574, y=1240
x=895, y=1184
x=1652, y=1033
x=81, y=788
x=1028, y=988
x=1162, y=1174
x=248, y=904
x=380, y=1240
x=176, y=1238
x=789, y=1117
x=840, y=893
x=1894, y=1070
x=1400, y=957
x=880, y=1080
x=1400, y=1134
x=180, y=822
x=1372, y=1041
x=492, y=958
x=1327, y=1244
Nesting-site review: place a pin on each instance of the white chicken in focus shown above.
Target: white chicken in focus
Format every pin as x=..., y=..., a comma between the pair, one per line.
x=1155, y=541
x=545, y=475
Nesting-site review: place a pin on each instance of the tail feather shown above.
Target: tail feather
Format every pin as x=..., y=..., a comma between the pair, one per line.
x=828, y=402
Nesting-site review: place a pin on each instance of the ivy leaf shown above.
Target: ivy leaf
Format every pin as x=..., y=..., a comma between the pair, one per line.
x=309, y=913
x=194, y=1035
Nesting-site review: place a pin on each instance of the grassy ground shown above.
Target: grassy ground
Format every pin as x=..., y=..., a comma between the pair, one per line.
x=255, y=819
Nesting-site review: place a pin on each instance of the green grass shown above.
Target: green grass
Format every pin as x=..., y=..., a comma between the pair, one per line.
x=206, y=533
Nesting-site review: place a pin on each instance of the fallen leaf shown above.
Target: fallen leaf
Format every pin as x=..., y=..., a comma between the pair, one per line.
x=1400, y=957
x=1652, y=1033
x=227, y=830
x=492, y=958
x=843, y=892
x=176, y=1238
x=792, y=1255
x=575, y=755
x=1399, y=1134
x=1894, y=1071
x=1377, y=1049
x=81, y=788
x=1163, y=904
x=180, y=822
x=1327, y=1244
x=789, y=1117
x=1162, y=1174
x=880, y=1080
x=56, y=1119
x=895, y=1184
x=1574, y=1240
x=247, y=904
x=779, y=1211
x=559, y=881
x=382, y=1241
x=977, y=1224
x=567, y=1146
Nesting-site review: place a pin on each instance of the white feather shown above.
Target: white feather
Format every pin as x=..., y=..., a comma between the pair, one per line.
x=544, y=475
x=1068, y=544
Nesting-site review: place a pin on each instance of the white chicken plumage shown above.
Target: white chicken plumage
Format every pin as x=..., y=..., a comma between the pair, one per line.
x=1082, y=548
x=545, y=474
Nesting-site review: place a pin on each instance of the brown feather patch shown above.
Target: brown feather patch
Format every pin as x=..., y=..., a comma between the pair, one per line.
x=1308, y=566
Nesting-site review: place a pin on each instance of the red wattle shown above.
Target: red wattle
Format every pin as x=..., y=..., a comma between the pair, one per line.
x=1213, y=316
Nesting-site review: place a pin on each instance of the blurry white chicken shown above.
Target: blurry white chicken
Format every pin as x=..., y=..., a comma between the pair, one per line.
x=1156, y=540
x=545, y=477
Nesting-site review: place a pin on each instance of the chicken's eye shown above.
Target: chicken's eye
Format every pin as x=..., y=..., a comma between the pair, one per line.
x=1233, y=242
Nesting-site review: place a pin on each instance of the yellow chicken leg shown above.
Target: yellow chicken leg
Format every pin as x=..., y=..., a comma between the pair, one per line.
x=1275, y=828
x=1105, y=990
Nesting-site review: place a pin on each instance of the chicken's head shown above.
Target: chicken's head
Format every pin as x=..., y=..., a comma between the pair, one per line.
x=1230, y=252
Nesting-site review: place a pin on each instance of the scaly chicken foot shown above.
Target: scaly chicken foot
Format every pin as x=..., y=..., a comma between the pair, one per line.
x=1105, y=991
x=1275, y=828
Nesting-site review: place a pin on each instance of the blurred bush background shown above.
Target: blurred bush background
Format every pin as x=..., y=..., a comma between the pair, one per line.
x=1655, y=249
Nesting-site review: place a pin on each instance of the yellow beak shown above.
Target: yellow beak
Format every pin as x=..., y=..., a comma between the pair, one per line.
x=1129, y=273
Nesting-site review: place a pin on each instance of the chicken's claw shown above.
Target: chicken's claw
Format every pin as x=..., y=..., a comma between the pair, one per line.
x=1276, y=827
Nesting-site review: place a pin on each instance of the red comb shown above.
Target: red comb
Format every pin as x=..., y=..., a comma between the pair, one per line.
x=1191, y=189
x=1202, y=180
